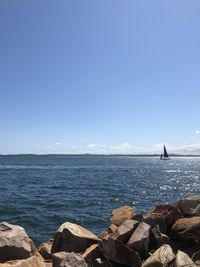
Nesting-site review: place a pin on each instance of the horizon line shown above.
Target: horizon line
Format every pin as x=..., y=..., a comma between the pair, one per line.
x=98, y=154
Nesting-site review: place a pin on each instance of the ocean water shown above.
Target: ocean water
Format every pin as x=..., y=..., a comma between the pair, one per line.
x=42, y=192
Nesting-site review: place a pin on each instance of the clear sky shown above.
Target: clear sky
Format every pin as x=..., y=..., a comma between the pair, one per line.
x=109, y=76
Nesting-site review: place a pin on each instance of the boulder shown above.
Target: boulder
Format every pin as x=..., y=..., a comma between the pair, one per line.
x=155, y=238
x=99, y=262
x=116, y=251
x=169, y=213
x=156, y=219
x=183, y=260
x=58, y=257
x=139, y=240
x=138, y=217
x=122, y=214
x=125, y=230
x=186, y=229
x=72, y=237
x=33, y=246
x=102, y=235
x=112, y=228
x=45, y=250
x=66, y=259
x=34, y=261
x=189, y=206
x=92, y=253
x=160, y=258
x=14, y=242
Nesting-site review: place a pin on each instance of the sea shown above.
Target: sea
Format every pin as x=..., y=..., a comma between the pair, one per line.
x=40, y=192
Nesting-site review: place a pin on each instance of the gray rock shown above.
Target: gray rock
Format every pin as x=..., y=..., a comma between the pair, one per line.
x=65, y=259
x=189, y=206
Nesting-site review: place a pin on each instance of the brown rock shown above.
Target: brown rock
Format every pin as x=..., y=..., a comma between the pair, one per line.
x=118, y=252
x=138, y=217
x=65, y=259
x=101, y=263
x=169, y=213
x=122, y=214
x=125, y=230
x=92, y=253
x=186, y=229
x=160, y=258
x=156, y=219
x=139, y=240
x=189, y=206
x=155, y=238
x=45, y=250
x=14, y=242
x=72, y=237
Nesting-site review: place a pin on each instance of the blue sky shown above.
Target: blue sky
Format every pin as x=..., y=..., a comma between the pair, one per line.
x=99, y=76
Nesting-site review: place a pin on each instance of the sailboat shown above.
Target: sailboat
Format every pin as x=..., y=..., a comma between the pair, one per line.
x=164, y=156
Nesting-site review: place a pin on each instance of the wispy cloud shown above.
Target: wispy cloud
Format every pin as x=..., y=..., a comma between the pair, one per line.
x=125, y=148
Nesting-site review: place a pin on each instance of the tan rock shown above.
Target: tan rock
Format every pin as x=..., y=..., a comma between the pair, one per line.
x=139, y=240
x=125, y=230
x=183, y=260
x=189, y=206
x=33, y=246
x=102, y=235
x=186, y=229
x=45, y=250
x=118, y=252
x=160, y=258
x=14, y=242
x=112, y=228
x=122, y=214
x=34, y=261
x=72, y=237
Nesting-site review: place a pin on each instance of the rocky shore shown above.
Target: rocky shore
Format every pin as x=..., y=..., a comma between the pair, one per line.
x=168, y=235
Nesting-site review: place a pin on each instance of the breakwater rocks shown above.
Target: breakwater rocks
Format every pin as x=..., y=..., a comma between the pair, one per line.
x=168, y=235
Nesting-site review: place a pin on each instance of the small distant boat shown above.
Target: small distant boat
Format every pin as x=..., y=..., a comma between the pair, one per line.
x=165, y=155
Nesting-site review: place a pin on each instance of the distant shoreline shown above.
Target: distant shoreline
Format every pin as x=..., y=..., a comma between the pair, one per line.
x=100, y=155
